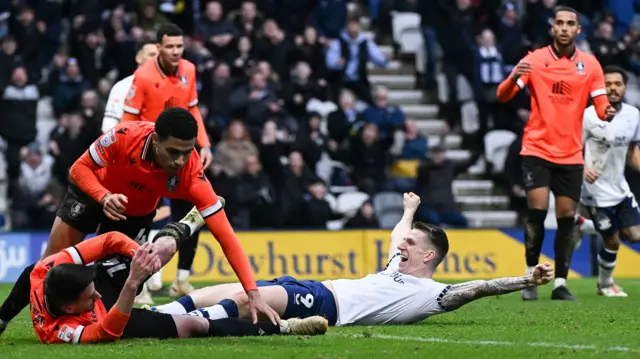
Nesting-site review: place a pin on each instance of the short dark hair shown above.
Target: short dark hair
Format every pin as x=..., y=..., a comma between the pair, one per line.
x=144, y=43
x=613, y=69
x=168, y=29
x=65, y=282
x=561, y=8
x=437, y=237
x=176, y=122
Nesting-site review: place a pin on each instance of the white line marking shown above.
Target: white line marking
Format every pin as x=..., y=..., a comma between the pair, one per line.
x=491, y=342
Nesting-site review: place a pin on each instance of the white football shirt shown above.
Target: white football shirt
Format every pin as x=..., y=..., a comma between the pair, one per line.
x=113, y=110
x=387, y=297
x=611, y=188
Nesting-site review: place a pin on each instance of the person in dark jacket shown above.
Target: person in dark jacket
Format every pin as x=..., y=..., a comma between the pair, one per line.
x=329, y=17
x=256, y=196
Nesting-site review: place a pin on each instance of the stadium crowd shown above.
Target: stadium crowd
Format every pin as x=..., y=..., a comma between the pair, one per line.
x=285, y=95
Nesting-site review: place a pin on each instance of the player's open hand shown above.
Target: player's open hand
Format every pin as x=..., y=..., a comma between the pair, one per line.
x=543, y=273
x=143, y=264
x=523, y=68
x=410, y=201
x=258, y=305
x=610, y=113
x=206, y=156
x=591, y=175
x=113, y=205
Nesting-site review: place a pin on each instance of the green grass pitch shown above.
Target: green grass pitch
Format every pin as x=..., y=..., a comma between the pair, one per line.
x=496, y=327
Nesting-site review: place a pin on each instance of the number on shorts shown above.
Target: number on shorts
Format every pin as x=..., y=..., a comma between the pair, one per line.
x=141, y=237
x=307, y=300
x=114, y=265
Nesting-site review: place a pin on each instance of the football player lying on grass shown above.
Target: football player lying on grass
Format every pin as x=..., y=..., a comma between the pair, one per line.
x=404, y=292
x=73, y=302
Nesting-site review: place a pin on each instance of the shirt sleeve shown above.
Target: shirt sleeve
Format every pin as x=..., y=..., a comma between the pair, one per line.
x=108, y=329
x=134, y=101
x=523, y=81
x=636, y=137
x=113, y=108
x=597, y=87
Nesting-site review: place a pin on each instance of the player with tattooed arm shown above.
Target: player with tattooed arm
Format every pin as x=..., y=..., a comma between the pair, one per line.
x=404, y=292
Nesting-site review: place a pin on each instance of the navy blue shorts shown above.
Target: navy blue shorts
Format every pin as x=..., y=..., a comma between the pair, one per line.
x=306, y=298
x=609, y=220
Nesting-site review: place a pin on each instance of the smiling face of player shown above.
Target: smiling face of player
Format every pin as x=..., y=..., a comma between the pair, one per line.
x=85, y=302
x=565, y=28
x=415, y=254
x=616, y=88
x=171, y=49
x=173, y=153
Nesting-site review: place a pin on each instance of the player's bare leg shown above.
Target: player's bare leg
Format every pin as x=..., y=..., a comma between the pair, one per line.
x=538, y=200
x=607, y=258
x=563, y=246
x=237, y=306
x=62, y=236
x=191, y=326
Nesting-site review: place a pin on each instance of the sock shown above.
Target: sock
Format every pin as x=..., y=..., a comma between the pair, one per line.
x=19, y=296
x=230, y=307
x=187, y=252
x=534, y=235
x=182, y=275
x=234, y=327
x=563, y=246
x=559, y=282
x=181, y=306
x=607, y=263
x=585, y=225
x=213, y=313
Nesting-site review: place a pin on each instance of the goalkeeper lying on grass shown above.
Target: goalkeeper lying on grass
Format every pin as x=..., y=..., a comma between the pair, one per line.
x=402, y=293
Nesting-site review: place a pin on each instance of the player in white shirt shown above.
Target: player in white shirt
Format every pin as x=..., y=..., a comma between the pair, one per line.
x=605, y=192
x=402, y=293
x=113, y=110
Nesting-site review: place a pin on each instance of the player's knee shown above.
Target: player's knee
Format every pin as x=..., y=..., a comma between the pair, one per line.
x=632, y=234
x=242, y=302
x=191, y=326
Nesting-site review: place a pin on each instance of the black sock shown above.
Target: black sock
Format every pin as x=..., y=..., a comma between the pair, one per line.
x=187, y=252
x=19, y=296
x=534, y=235
x=234, y=327
x=563, y=245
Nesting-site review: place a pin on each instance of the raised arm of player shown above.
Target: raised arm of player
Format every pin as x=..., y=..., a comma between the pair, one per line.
x=410, y=202
x=517, y=81
x=598, y=93
x=463, y=293
x=134, y=100
x=101, y=152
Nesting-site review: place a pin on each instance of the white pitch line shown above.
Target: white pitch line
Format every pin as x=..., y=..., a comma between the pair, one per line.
x=490, y=342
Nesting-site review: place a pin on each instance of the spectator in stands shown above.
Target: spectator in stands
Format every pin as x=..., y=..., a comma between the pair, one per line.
x=311, y=50
x=294, y=181
x=435, y=185
x=301, y=89
x=277, y=50
x=215, y=31
x=255, y=103
x=431, y=13
x=345, y=120
x=364, y=219
x=310, y=141
x=248, y=22
x=511, y=37
x=29, y=34
x=414, y=149
x=232, y=152
x=215, y=94
x=256, y=196
x=314, y=211
x=368, y=156
x=18, y=125
x=69, y=89
x=386, y=116
x=515, y=178
x=92, y=112
x=149, y=18
x=623, y=11
x=349, y=56
x=5, y=14
x=632, y=42
x=67, y=142
x=273, y=79
x=491, y=69
x=329, y=17
x=92, y=57
x=242, y=59
x=607, y=49
x=539, y=16
x=36, y=198
x=9, y=59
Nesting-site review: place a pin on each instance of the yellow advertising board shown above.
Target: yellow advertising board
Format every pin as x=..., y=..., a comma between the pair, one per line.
x=320, y=255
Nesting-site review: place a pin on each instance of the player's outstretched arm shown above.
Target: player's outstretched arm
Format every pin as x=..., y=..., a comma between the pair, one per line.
x=463, y=293
x=410, y=202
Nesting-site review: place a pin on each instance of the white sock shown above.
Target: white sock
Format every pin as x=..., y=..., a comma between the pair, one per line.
x=182, y=275
x=530, y=269
x=173, y=308
x=284, y=326
x=213, y=313
x=606, y=268
x=587, y=227
x=155, y=282
x=559, y=282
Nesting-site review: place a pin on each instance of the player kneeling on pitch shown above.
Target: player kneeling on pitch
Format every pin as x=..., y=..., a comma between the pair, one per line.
x=72, y=302
x=402, y=293
x=605, y=192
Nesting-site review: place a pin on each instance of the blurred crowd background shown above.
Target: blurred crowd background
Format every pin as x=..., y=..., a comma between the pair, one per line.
x=321, y=112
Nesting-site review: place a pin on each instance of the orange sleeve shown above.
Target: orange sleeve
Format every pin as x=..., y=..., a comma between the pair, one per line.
x=598, y=91
x=94, y=249
x=103, y=151
x=204, y=197
x=203, y=138
x=134, y=101
x=601, y=103
x=509, y=88
x=108, y=329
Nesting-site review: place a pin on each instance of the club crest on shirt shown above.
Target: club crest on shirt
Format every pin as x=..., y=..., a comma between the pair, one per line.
x=132, y=92
x=183, y=80
x=580, y=68
x=65, y=333
x=172, y=183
